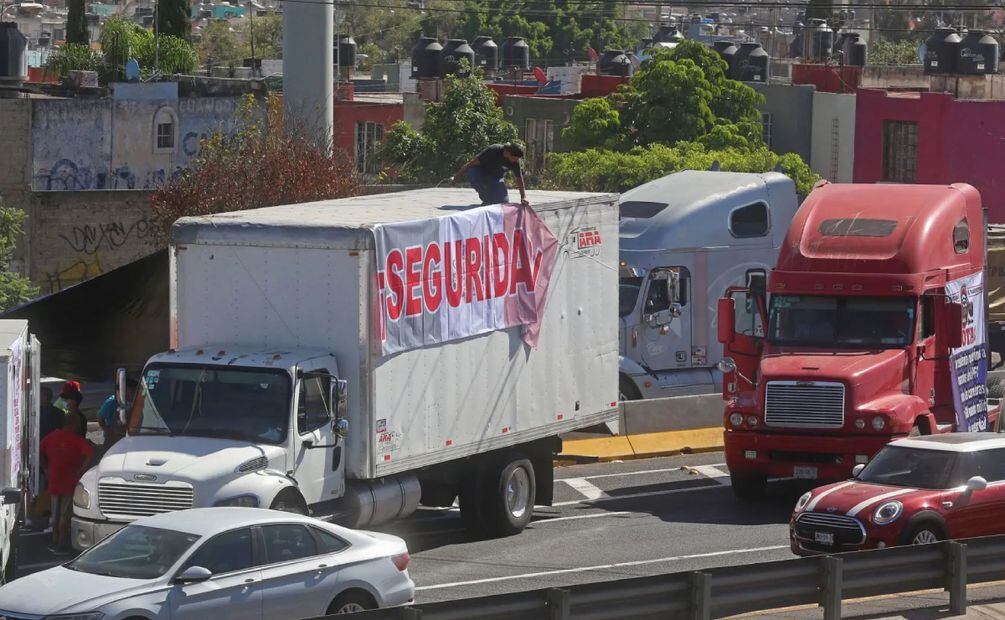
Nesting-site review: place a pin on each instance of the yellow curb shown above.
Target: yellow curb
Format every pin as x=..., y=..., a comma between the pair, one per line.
x=646, y=445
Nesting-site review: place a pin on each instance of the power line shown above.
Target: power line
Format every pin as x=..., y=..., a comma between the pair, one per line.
x=795, y=4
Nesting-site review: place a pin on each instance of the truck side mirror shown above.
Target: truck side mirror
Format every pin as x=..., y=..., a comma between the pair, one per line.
x=953, y=324
x=11, y=496
x=676, y=310
x=120, y=384
x=726, y=319
x=673, y=286
x=341, y=397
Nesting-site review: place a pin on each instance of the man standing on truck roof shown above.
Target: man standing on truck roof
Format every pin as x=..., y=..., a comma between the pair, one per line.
x=487, y=173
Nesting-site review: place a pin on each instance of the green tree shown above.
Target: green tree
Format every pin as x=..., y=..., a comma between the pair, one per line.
x=594, y=122
x=122, y=39
x=76, y=23
x=455, y=130
x=220, y=45
x=268, y=35
x=15, y=289
x=72, y=57
x=904, y=52
x=173, y=18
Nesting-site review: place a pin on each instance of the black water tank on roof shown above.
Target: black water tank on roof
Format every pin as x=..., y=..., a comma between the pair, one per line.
x=978, y=54
x=750, y=64
x=515, y=53
x=454, y=52
x=12, y=46
x=486, y=53
x=345, y=51
x=727, y=51
x=614, y=62
x=666, y=33
x=853, y=48
x=942, y=50
x=427, y=58
x=820, y=39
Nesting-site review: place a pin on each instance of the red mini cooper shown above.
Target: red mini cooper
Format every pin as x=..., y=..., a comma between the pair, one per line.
x=914, y=491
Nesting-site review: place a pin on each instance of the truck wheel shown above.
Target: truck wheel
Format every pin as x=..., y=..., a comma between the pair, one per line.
x=627, y=390
x=996, y=384
x=509, y=496
x=748, y=487
x=289, y=501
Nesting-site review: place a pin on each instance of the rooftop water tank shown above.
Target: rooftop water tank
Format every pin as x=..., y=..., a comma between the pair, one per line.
x=345, y=51
x=614, y=62
x=978, y=54
x=454, y=52
x=942, y=50
x=726, y=51
x=666, y=33
x=486, y=53
x=13, y=62
x=427, y=58
x=750, y=64
x=818, y=40
x=515, y=53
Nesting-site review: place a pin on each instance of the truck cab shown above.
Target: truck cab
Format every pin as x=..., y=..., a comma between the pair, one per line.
x=221, y=426
x=873, y=331
x=684, y=239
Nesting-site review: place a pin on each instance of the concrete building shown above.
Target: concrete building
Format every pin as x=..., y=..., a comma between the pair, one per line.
x=83, y=168
x=931, y=137
x=832, y=140
x=540, y=121
x=787, y=116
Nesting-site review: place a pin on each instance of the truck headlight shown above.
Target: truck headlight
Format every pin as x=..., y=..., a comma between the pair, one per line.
x=803, y=500
x=878, y=423
x=888, y=512
x=81, y=497
x=244, y=501
x=736, y=419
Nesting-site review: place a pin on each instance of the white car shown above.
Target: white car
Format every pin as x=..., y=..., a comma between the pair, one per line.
x=219, y=563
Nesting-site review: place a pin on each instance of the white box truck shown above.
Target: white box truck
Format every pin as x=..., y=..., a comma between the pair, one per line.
x=351, y=358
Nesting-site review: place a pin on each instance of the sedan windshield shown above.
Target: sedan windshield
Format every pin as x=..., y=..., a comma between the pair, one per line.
x=909, y=467
x=135, y=552
x=875, y=322
x=249, y=404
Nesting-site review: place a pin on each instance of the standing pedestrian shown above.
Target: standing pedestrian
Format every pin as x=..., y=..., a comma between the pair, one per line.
x=49, y=418
x=108, y=416
x=487, y=173
x=65, y=456
x=73, y=398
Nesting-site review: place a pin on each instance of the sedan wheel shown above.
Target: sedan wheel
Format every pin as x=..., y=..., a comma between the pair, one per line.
x=924, y=536
x=350, y=608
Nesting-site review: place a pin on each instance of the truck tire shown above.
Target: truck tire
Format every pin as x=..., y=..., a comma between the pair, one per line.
x=996, y=384
x=289, y=500
x=749, y=487
x=509, y=493
x=627, y=390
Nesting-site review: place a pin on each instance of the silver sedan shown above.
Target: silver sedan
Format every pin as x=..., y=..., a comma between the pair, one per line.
x=219, y=563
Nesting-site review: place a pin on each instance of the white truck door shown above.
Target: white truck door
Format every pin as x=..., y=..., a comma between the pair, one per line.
x=665, y=341
x=319, y=458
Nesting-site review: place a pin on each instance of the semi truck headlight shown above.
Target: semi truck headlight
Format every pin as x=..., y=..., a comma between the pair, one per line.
x=887, y=513
x=81, y=497
x=752, y=421
x=736, y=419
x=860, y=423
x=244, y=501
x=878, y=423
x=803, y=500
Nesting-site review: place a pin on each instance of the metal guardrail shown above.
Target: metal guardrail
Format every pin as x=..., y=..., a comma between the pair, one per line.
x=718, y=592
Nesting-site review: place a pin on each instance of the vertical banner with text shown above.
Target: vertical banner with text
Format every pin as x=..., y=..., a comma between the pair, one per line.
x=969, y=362
x=461, y=275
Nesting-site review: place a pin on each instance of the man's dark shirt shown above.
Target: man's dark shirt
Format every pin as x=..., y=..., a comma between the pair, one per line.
x=492, y=162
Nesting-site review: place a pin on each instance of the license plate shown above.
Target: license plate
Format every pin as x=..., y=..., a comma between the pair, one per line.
x=805, y=473
x=824, y=538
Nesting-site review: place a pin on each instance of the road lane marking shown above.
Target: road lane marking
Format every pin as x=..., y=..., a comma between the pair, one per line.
x=637, y=495
x=585, y=488
x=714, y=473
x=595, y=515
x=583, y=569
x=643, y=472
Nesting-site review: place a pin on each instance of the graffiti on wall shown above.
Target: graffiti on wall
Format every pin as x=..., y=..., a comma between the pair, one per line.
x=89, y=238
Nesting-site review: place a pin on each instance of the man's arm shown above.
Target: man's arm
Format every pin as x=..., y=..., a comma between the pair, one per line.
x=522, y=188
x=460, y=173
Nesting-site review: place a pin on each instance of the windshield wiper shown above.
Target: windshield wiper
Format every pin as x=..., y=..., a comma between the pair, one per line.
x=218, y=433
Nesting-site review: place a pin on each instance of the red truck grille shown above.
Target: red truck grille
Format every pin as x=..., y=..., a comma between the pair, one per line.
x=804, y=404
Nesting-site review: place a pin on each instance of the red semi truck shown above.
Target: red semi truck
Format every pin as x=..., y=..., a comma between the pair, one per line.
x=875, y=329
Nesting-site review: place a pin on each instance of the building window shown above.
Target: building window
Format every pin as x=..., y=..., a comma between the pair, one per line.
x=368, y=137
x=766, y=128
x=900, y=151
x=165, y=130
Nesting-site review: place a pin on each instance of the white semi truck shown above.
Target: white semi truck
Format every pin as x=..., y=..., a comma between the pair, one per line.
x=353, y=358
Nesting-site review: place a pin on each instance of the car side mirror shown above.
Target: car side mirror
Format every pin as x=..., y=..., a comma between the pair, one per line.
x=977, y=483
x=11, y=496
x=855, y=471
x=193, y=574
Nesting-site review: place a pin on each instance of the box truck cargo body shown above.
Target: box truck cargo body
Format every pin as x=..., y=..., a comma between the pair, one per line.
x=374, y=372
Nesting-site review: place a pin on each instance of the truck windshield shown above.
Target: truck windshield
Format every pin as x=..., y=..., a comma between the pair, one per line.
x=876, y=322
x=248, y=404
x=910, y=467
x=628, y=295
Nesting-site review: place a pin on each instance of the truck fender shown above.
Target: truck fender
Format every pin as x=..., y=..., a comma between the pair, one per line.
x=265, y=485
x=630, y=367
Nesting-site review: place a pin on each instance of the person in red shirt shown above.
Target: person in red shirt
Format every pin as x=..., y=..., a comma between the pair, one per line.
x=65, y=457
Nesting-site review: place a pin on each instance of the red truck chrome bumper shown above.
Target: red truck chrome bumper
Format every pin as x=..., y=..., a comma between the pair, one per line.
x=778, y=455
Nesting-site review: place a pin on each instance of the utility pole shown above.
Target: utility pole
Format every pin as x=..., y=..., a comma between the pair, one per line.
x=308, y=104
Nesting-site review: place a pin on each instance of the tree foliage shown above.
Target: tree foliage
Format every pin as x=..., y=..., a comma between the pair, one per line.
x=221, y=46
x=15, y=289
x=268, y=35
x=72, y=57
x=173, y=18
x=122, y=39
x=601, y=170
x=455, y=130
x=263, y=164
x=595, y=122
x=904, y=52
x=76, y=23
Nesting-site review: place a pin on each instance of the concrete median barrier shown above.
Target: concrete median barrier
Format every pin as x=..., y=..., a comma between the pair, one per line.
x=651, y=428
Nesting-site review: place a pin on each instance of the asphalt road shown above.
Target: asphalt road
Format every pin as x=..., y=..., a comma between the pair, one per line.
x=610, y=520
